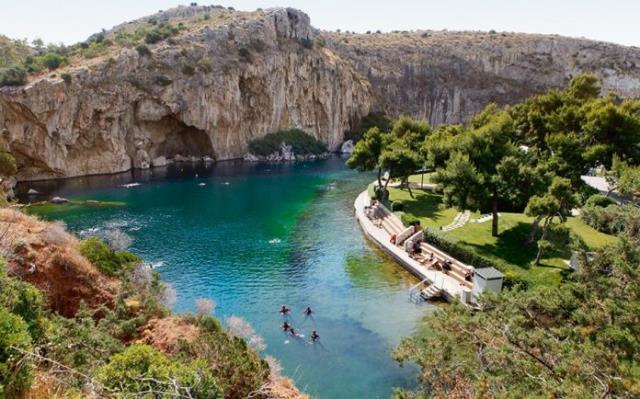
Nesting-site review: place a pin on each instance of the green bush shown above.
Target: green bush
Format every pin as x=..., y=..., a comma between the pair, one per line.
x=66, y=77
x=409, y=220
x=53, y=60
x=16, y=372
x=613, y=219
x=105, y=259
x=13, y=76
x=188, y=70
x=301, y=142
x=141, y=368
x=397, y=206
x=143, y=50
x=600, y=200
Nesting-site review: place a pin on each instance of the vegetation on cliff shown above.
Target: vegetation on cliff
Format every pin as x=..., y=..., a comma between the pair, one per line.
x=301, y=143
x=110, y=334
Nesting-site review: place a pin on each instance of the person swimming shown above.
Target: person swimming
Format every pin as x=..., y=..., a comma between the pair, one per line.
x=284, y=309
x=315, y=336
x=308, y=311
x=286, y=326
x=293, y=332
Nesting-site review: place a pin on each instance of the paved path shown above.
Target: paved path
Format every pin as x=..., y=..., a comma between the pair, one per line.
x=450, y=286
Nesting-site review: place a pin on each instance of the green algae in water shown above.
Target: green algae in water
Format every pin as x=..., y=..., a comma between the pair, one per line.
x=255, y=237
x=50, y=211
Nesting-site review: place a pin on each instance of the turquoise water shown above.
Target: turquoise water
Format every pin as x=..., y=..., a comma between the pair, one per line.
x=258, y=236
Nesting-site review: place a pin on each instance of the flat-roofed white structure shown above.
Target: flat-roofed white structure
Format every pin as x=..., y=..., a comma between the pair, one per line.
x=487, y=279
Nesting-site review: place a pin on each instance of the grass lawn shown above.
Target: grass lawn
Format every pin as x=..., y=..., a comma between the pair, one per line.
x=426, y=206
x=509, y=246
x=417, y=179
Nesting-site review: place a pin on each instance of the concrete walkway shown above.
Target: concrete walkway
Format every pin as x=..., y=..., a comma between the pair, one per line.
x=451, y=287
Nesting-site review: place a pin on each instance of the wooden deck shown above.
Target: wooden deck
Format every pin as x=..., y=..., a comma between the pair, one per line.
x=380, y=230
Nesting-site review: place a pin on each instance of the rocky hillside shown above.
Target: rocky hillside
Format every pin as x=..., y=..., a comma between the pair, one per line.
x=221, y=78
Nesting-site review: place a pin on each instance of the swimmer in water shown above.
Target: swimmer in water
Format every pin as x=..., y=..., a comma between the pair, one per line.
x=284, y=309
x=315, y=336
x=293, y=332
x=308, y=311
x=286, y=326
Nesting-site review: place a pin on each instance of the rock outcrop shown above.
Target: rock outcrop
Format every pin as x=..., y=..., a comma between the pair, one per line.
x=205, y=93
x=235, y=76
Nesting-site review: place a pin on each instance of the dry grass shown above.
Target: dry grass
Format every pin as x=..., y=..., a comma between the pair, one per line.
x=47, y=256
x=165, y=334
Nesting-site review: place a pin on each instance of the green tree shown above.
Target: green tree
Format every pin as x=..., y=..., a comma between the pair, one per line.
x=484, y=148
x=366, y=152
x=577, y=340
x=557, y=202
x=16, y=372
x=400, y=161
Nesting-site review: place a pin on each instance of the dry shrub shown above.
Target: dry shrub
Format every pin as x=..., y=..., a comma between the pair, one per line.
x=55, y=234
x=205, y=306
x=118, y=239
x=169, y=295
x=239, y=327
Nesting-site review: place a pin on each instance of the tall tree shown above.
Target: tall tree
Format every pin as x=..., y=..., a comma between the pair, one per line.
x=483, y=148
x=557, y=202
x=400, y=161
x=366, y=152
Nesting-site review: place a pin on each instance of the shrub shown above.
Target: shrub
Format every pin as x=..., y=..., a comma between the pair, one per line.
x=143, y=50
x=306, y=42
x=188, y=70
x=245, y=54
x=409, y=220
x=16, y=373
x=397, y=206
x=153, y=37
x=141, y=368
x=66, y=77
x=600, y=200
x=301, y=142
x=613, y=219
x=53, y=60
x=13, y=76
x=105, y=259
x=205, y=65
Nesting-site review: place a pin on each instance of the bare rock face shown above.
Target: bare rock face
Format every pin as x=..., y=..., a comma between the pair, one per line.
x=446, y=77
x=204, y=96
x=205, y=93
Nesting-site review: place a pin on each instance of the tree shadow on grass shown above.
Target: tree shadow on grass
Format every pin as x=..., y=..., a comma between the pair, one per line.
x=510, y=246
x=424, y=205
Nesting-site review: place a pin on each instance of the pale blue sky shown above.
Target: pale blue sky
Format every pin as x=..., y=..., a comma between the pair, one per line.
x=618, y=21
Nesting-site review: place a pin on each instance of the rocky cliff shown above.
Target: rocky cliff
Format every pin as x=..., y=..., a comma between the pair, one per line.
x=229, y=77
x=205, y=93
x=446, y=77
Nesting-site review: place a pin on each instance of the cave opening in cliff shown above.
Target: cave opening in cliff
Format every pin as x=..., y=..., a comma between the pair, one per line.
x=170, y=137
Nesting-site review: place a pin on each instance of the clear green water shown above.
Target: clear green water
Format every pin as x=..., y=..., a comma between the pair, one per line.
x=256, y=237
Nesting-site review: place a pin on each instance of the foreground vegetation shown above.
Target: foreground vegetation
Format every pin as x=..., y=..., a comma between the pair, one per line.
x=551, y=332
x=116, y=347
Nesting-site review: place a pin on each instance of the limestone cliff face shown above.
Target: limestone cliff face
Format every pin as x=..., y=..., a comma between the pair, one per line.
x=205, y=94
x=446, y=77
x=239, y=75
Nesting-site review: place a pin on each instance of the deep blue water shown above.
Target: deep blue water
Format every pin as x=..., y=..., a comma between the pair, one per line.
x=258, y=236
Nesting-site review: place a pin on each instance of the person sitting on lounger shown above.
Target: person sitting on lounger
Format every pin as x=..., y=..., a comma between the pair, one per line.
x=431, y=257
x=393, y=239
x=284, y=309
x=468, y=275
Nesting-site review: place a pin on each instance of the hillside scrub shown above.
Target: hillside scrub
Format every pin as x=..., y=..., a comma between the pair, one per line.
x=302, y=143
x=119, y=346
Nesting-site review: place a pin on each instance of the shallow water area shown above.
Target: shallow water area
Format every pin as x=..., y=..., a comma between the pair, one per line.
x=254, y=237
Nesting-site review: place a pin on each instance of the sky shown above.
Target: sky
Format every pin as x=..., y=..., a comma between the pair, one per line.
x=71, y=21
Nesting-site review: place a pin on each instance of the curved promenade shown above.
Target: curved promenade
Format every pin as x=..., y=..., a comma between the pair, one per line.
x=452, y=289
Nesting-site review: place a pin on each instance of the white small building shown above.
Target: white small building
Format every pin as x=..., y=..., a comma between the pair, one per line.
x=487, y=279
